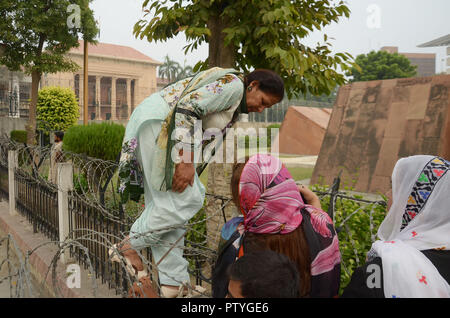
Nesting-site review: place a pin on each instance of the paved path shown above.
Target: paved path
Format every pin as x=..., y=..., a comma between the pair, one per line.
x=303, y=160
x=5, y=287
x=26, y=240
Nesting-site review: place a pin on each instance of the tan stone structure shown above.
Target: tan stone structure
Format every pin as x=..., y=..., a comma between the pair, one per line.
x=302, y=130
x=120, y=78
x=375, y=123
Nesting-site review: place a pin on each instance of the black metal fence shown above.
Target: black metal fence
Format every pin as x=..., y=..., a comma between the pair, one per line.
x=96, y=231
x=95, y=223
x=38, y=202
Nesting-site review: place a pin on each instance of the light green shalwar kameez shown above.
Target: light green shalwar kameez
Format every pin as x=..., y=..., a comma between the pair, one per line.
x=214, y=98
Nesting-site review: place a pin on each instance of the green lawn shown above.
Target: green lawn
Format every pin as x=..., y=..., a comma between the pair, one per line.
x=298, y=173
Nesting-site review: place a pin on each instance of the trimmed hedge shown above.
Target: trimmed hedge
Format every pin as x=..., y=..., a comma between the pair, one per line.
x=19, y=136
x=57, y=109
x=103, y=141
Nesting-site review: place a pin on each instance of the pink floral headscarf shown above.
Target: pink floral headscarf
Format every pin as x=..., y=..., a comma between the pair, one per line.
x=272, y=204
x=269, y=197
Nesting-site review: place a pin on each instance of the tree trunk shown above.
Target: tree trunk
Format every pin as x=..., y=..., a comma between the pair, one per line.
x=219, y=54
x=35, y=79
x=219, y=174
x=31, y=127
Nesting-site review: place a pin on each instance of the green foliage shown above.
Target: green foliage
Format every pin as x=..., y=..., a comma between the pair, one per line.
x=19, y=136
x=168, y=69
x=80, y=183
x=381, y=65
x=265, y=34
x=103, y=141
x=57, y=109
x=35, y=36
x=196, y=236
x=173, y=71
x=26, y=26
x=357, y=233
x=185, y=71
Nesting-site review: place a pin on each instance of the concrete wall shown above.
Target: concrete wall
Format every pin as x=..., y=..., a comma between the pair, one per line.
x=8, y=124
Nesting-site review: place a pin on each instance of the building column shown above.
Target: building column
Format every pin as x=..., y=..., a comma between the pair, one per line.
x=129, y=97
x=80, y=95
x=137, y=97
x=98, y=97
x=113, y=98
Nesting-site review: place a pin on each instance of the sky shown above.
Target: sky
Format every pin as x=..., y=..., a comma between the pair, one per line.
x=372, y=24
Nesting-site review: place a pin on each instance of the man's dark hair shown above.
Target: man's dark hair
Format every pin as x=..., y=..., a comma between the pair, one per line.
x=59, y=134
x=266, y=274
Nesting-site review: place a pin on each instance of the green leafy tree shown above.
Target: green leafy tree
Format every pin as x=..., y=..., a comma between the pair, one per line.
x=381, y=65
x=169, y=69
x=255, y=34
x=57, y=109
x=185, y=71
x=35, y=35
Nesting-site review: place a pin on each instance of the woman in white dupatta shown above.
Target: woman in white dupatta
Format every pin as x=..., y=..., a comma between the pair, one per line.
x=414, y=245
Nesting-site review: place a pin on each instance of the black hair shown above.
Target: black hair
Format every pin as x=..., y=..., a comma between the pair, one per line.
x=266, y=274
x=59, y=134
x=269, y=82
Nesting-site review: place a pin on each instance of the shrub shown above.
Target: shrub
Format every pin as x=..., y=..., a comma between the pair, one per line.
x=356, y=234
x=19, y=136
x=80, y=183
x=196, y=236
x=103, y=141
x=57, y=109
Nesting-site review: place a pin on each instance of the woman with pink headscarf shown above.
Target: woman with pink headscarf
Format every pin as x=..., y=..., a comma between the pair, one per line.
x=276, y=217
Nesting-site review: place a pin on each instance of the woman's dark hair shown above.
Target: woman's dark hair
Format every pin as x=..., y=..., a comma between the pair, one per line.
x=294, y=245
x=269, y=82
x=235, y=177
x=265, y=274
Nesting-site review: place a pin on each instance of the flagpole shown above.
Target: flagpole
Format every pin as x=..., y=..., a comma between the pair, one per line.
x=85, y=84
